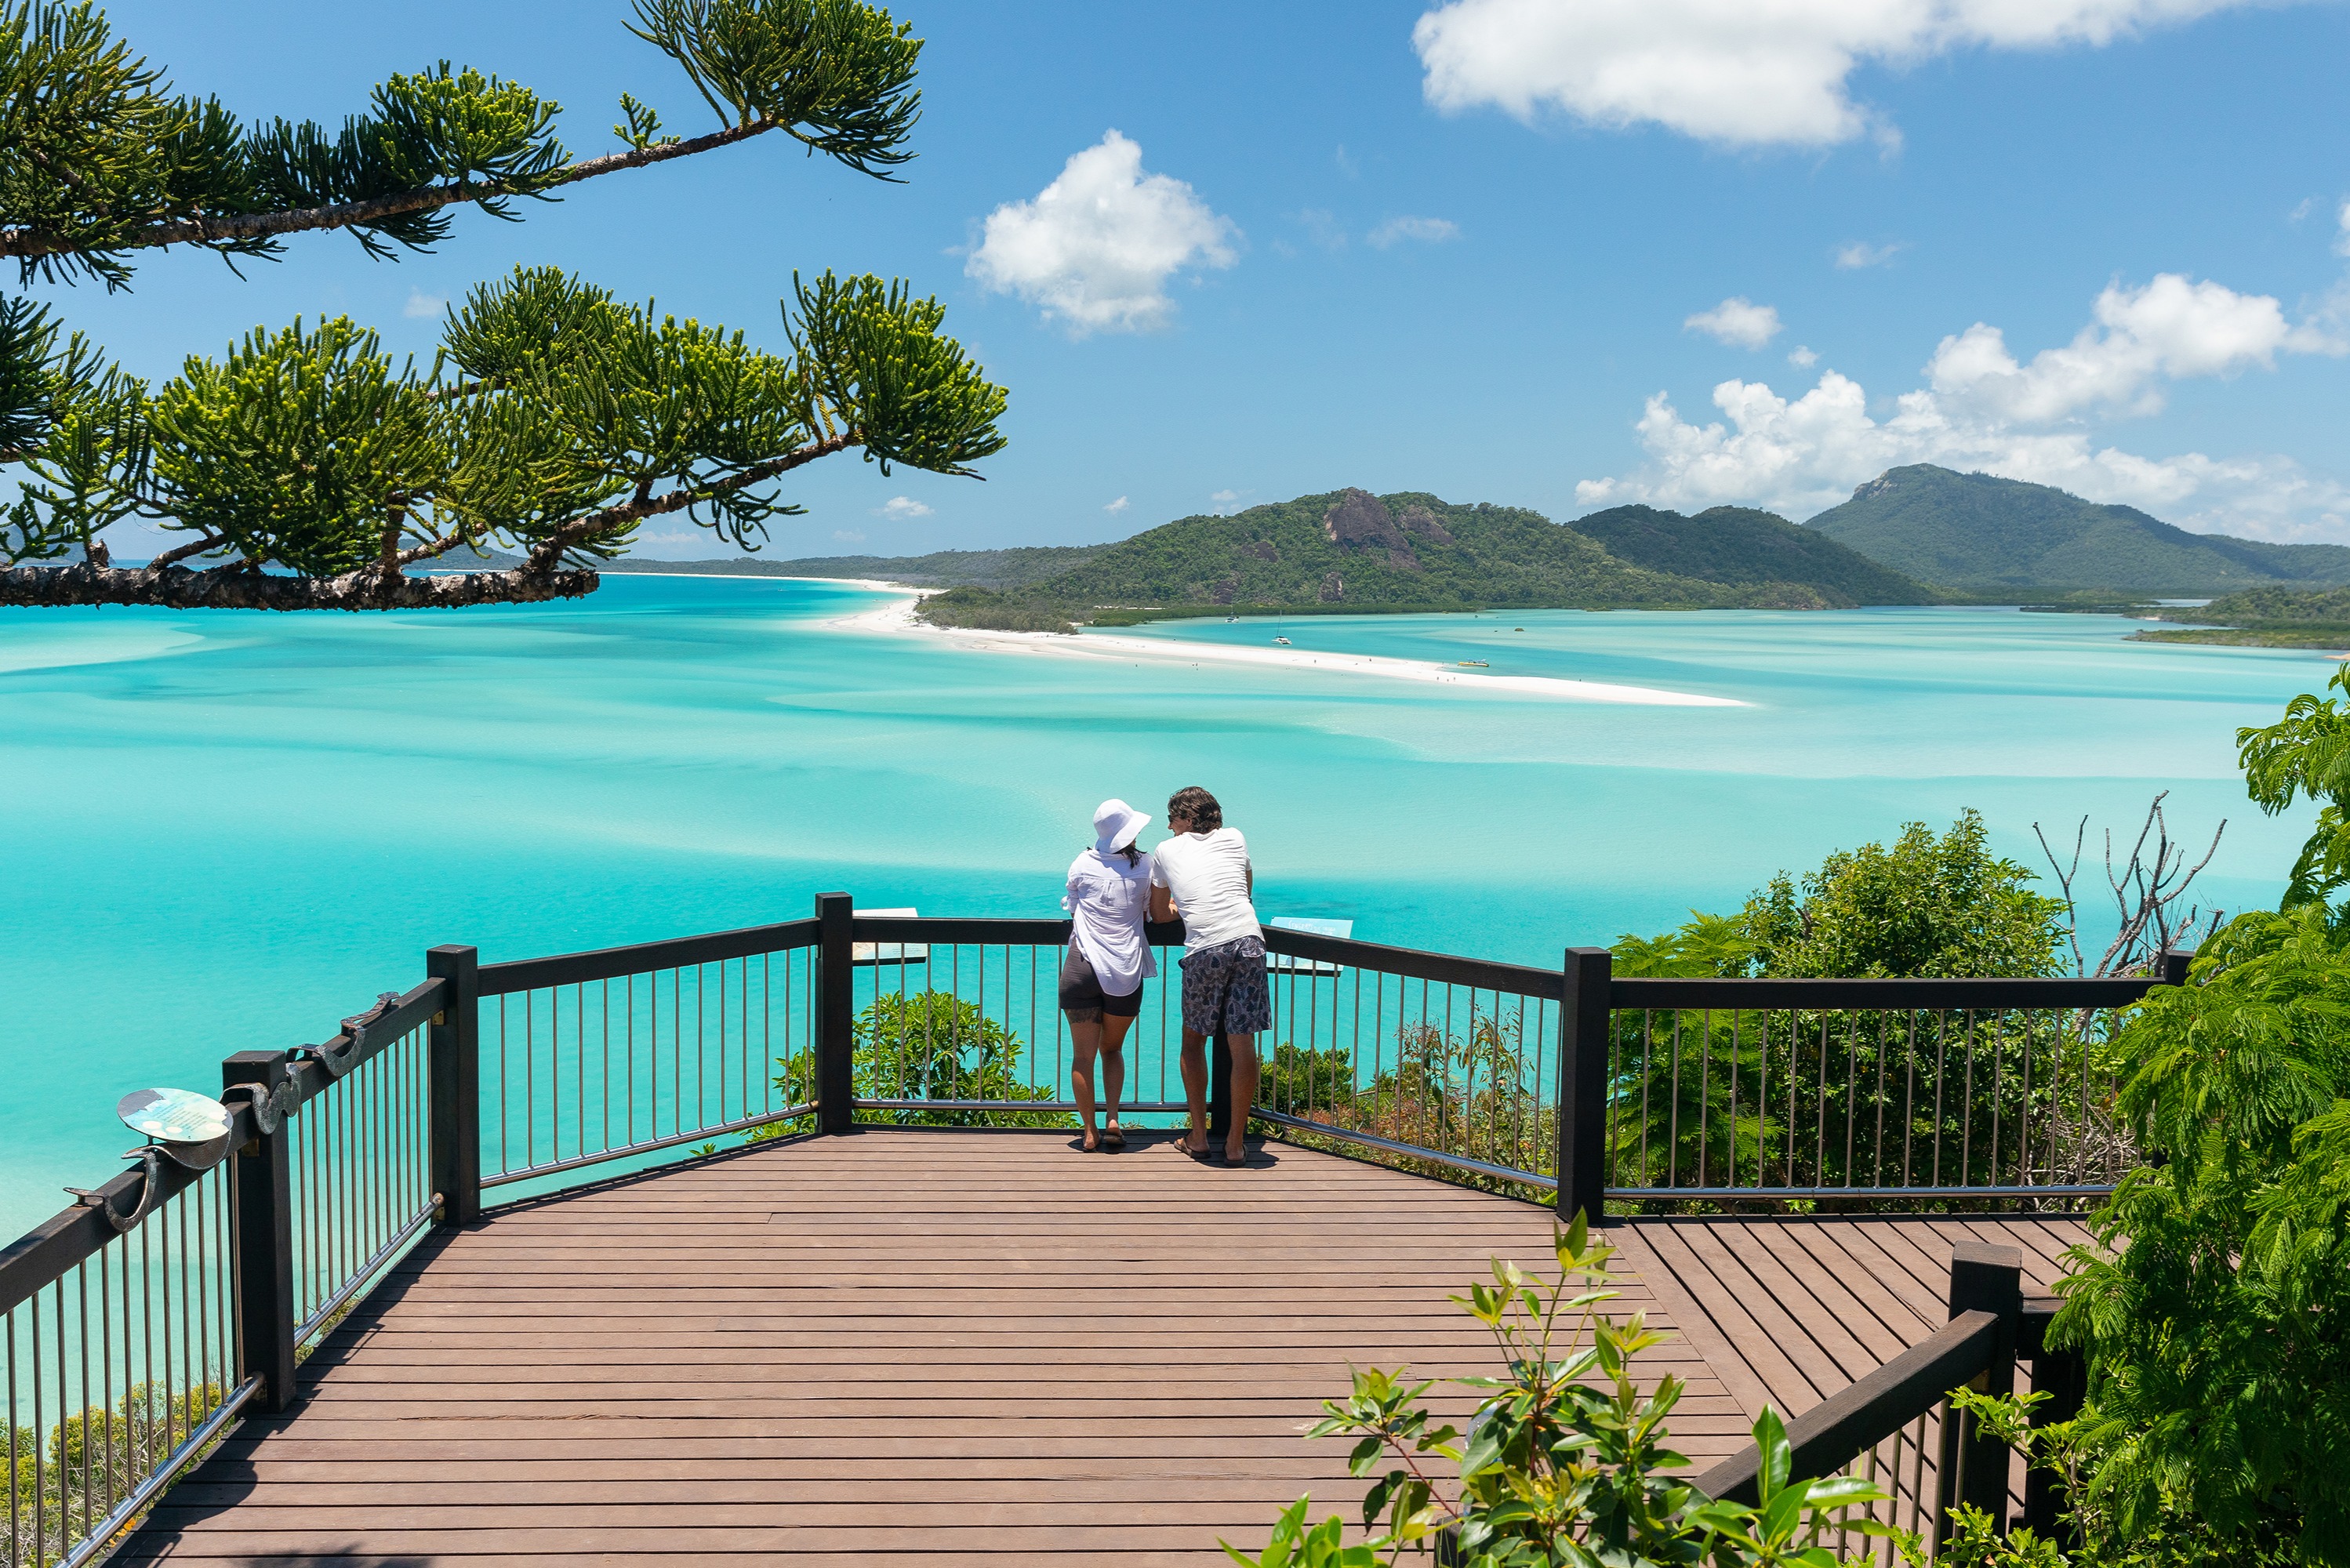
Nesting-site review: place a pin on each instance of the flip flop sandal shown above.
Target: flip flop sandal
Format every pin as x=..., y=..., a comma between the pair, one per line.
x=1113, y=1137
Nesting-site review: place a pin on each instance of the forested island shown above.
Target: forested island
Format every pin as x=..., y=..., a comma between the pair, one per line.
x=1914, y=536
x=2261, y=617
x=1351, y=552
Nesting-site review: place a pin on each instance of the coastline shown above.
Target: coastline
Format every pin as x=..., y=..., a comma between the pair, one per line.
x=897, y=619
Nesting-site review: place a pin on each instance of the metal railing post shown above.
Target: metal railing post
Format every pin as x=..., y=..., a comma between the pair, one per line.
x=1583, y=1084
x=265, y=1241
x=456, y=1077
x=1974, y=1463
x=836, y=1013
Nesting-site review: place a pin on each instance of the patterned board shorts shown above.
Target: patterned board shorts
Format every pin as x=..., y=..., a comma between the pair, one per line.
x=1224, y=988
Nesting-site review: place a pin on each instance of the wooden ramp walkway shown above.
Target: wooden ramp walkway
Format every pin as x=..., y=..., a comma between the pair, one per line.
x=976, y=1345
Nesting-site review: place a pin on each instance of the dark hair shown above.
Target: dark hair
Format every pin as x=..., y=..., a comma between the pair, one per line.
x=1133, y=855
x=1197, y=807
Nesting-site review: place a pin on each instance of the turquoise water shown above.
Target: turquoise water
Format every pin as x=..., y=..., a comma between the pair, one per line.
x=225, y=831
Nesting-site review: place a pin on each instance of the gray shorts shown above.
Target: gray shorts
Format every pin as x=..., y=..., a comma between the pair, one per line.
x=1082, y=997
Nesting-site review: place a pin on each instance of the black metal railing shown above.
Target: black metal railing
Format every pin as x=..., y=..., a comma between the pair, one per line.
x=181, y=1294
x=1842, y=1089
x=167, y=1303
x=1897, y=1427
x=592, y=1057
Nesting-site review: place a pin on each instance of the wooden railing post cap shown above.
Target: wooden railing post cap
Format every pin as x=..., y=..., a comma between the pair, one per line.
x=1986, y=1278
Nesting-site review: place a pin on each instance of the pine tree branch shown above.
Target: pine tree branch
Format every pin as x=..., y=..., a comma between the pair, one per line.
x=173, y=557
x=429, y=549
x=234, y=586
x=232, y=227
x=545, y=556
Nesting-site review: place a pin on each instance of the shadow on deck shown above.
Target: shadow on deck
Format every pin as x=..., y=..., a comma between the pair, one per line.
x=973, y=1344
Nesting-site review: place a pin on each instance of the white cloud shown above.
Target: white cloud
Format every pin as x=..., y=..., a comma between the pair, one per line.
x=1737, y=321
x=1981, y=410
x=1803, y=358
x=2170, y=329
x=1856, y=254
x=901, y=509
x=1097, y=247
x=1223, y=503
x=1116, y=506
x=422, y=305
x=1433, y=230
x=1735, y=71
x=2341, y=240
x=2302, y=209
x=850, y=536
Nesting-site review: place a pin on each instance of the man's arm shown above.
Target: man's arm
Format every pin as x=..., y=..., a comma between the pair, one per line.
x=1162, y=904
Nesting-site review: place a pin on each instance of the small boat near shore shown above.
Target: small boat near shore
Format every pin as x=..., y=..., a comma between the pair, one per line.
x=1281, y=641
x=1475, y=664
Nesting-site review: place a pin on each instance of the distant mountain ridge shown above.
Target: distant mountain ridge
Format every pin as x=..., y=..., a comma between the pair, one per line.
x=1977, y=532
x=1349, y=550
x=1741, y=545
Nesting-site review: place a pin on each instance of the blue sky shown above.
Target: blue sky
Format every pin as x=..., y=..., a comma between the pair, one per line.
x=1557, y=254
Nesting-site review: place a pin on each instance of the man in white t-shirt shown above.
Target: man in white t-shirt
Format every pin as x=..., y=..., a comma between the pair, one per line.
x=1203, y=873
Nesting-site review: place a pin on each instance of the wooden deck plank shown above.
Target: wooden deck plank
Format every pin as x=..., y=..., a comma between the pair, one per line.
x=967, y=1344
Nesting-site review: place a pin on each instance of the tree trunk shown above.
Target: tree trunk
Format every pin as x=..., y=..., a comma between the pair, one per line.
x=236, y=587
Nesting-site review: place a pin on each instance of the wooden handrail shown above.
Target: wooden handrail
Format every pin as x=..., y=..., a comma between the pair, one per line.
x=1849, y=1423
x=674, y=952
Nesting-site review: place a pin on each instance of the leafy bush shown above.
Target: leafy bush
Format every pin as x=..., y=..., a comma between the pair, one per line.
x=929, y=1045
x=1553, y=1469
x=2215, y=1305
x=1299, y=1079
x=63, y=1486
x=1475, y=1093
x=1938, y=906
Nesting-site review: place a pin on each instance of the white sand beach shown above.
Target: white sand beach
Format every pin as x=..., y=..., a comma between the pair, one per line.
x=897, y=619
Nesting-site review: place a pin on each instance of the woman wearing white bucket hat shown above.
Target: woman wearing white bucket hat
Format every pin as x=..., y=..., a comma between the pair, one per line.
x=1109, y=958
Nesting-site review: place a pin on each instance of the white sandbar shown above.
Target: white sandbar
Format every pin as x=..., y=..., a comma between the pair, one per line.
x=897, y=619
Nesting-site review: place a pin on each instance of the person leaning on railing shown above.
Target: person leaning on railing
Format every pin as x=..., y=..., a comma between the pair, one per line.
x=1109, y=958
x=1203, y=871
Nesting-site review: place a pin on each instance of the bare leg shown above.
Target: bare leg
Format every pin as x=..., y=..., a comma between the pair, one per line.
x=1085, y=1041
x=1194, y=1061
x=1245, y=1077
x=1113, y=1064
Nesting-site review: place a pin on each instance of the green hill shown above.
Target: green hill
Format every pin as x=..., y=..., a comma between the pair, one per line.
x=1974, y=532
x=1741, y=545
x=939, y=569
x=2265, y=618
x=1349, y=551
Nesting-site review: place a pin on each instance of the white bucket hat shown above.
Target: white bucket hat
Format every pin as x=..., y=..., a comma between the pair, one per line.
x=1116, y=824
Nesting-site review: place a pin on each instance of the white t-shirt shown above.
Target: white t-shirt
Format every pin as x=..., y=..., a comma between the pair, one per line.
x=1107, y=902
x=1208, y=872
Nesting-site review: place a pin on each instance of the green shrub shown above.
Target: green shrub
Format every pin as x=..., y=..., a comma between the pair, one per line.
x=2215, y=1304
x=929, y=1045
x=1553, y=1469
